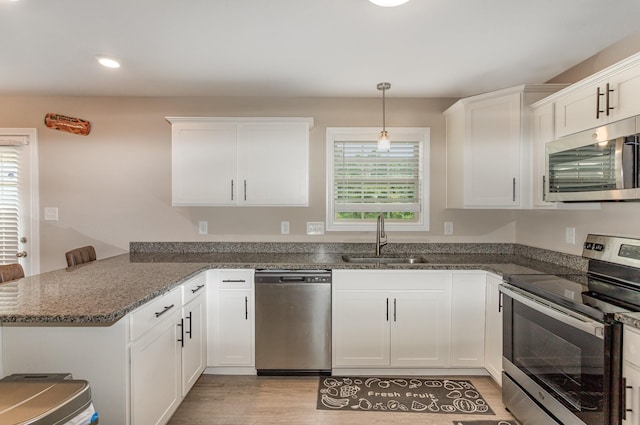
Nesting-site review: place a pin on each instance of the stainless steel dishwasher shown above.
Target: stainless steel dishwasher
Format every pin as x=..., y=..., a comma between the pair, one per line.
x=293, y=322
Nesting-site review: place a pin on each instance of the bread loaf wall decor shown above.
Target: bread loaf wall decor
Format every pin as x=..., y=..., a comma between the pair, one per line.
x=68, y=124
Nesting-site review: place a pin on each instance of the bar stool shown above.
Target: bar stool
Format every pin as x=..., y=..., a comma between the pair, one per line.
x=80, y=255
x=11, y=272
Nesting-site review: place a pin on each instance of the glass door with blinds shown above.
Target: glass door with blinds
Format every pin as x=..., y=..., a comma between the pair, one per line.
x=18, y=208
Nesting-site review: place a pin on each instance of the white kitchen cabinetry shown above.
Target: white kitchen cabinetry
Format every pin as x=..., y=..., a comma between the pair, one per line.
x=390, y=318
x=468, y=319
x=493, y=329
x=240, y=161
x=631, y=375
x=607, y=96
x=489, y=148
x=135, y=366
x=156, y=387
x=230, y=322
x=194, y=325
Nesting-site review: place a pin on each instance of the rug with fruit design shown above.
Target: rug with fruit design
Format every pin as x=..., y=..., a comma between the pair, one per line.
x=421, y=395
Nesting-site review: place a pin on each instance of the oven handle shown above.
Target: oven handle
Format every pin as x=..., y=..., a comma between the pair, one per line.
x=584, y=324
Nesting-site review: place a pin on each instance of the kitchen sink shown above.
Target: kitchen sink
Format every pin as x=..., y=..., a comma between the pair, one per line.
x=383, y=259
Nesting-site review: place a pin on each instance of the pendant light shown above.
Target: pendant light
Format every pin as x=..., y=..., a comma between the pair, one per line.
x=388, y=3
x=384, y=143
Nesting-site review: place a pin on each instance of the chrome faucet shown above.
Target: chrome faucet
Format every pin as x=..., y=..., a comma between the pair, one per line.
x=381, y=236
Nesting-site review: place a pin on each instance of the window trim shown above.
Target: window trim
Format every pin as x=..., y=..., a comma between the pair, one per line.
x=421, y=134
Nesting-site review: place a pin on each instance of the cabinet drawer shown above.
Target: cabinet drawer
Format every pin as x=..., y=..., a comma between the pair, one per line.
x=152, y=313
x=194, y=287
x=391, y=279
x=631, y=346
x=234, y=279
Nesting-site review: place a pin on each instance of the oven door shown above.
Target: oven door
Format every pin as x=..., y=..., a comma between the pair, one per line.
x=562, y=360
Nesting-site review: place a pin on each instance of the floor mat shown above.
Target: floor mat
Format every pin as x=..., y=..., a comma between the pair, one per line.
x=421, y=395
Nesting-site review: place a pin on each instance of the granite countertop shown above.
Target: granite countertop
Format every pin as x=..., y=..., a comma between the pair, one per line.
x=103, y=291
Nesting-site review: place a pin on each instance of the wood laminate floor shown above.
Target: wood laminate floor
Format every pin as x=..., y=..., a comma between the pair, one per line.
x=248, y=400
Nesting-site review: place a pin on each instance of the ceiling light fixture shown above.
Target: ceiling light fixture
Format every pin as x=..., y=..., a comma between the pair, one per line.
x=388, y=3
x=108, y=62
x=384, y=143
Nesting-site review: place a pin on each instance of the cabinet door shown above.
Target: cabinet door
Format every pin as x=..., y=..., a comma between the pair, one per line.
x=204, y=164
x=492, y=152
x=631, y=374
x=468, y=319
x=493, y=329
x=624, y=98
x=577, y=110
x=273, y=163
x=419, y=328
x=232, y=342
x=543, y=132
x=155, y=373
x=360, y=328
x=194, y=350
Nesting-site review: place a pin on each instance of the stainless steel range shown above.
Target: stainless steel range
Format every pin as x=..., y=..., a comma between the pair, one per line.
x=562, y=346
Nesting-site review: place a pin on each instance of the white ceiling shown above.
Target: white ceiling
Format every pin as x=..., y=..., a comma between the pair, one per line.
x=318, y=48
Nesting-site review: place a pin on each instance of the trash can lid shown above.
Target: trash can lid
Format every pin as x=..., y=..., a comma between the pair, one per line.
x=42, y=402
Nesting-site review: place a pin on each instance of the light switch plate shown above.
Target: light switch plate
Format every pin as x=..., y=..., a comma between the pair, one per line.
x=51, y=214
x=315, y=228
x=448, y=228
x=570, y=235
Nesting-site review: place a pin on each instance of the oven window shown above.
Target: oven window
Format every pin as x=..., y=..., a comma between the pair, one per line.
x=567, y=362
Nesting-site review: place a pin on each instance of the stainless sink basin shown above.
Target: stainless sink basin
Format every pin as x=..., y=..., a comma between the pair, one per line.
x=383, y=259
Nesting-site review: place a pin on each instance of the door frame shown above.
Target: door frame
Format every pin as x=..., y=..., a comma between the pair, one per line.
x=32, y=197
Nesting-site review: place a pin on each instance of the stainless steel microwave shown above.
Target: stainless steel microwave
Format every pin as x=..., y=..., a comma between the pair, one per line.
x=595, y=165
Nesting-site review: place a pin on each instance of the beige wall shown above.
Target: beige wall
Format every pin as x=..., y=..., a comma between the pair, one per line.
x=546, y=229
x=114, y=186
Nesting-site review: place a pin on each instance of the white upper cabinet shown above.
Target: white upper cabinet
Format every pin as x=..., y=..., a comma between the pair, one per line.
x=489, y=148
x=240, y=161
x=607, y=96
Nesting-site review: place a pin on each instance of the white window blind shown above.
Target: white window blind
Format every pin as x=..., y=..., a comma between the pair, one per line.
x=369, y=180
x=10, y=160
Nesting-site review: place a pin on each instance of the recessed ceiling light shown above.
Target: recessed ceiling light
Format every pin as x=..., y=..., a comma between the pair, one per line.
x=388, y=3
x=108, y=62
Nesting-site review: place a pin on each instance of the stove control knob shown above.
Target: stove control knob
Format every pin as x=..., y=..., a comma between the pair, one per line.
x=598, y=247
x=588, y=245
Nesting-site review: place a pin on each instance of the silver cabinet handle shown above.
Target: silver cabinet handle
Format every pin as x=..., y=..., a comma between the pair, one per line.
x=232, y=189
x=544, y=188
x=514, y=189
x=233, y=281
x=245, y=190
x=246, y=308
x=190, y=325
x=166, y=308
x=395, y=310
x=387, y=309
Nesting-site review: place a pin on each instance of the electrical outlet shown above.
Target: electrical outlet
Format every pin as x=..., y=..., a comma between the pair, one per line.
x=315, y=228
x=570, y=235
x=203, y=227
x=284, y=227
x=448, y=228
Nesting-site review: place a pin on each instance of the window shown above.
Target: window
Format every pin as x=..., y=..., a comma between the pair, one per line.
x=363, y=182
x=10, y=160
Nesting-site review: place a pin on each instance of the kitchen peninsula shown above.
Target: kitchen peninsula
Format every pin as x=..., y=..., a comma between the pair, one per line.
x=88, y=320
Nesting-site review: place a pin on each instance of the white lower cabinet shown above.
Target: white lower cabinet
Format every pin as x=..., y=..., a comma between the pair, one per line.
x=156, y=389
x=631, y=376
x=468, y=319
x=135, y=367
x=493, y=329
x=390, y=318
x=231, y=333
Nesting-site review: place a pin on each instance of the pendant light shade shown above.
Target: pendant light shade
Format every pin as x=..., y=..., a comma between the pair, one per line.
x=384, y=142
x=388, y=3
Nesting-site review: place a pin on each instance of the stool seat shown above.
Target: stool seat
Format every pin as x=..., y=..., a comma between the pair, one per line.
x=80, y=255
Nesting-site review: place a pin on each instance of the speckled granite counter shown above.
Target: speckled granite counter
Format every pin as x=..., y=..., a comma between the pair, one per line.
x=102, y=292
